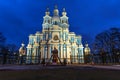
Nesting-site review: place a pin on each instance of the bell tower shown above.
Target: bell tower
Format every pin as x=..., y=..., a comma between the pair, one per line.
x=47, y=20
x=64, y=19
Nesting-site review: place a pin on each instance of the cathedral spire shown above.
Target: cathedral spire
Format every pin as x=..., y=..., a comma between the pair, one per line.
x=22, y=44
x=56, y=11
x=64, y=12
x=56, y=7
x=47, y=11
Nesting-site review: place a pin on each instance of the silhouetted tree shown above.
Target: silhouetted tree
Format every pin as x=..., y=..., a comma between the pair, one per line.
x=2, y=40
x=108, y=42
x=5, y=53
x=12, y=48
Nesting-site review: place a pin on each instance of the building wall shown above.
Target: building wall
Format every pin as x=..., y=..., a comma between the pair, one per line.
x=55, y=33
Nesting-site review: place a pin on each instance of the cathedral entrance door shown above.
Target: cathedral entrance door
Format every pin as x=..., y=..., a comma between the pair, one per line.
x=55, y=55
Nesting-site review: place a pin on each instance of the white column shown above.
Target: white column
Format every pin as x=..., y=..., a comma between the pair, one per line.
x=45, y=52
x=41, y=52
x=49, y=52
x=68, y=53
x=64, y=52
x=33, y=55
x=61, y=51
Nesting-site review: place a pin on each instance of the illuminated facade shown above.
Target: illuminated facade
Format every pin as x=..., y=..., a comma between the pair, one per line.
x=55, y=33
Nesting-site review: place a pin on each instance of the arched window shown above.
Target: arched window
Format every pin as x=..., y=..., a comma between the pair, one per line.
x=49, y=21
x=55, y=22
x=45, y=21
x=62, y=21
x=66, y=21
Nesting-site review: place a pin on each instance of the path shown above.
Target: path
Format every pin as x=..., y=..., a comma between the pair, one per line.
x=37, y=67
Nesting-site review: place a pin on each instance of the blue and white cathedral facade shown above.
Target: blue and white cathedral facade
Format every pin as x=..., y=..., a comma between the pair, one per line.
x=55, y=33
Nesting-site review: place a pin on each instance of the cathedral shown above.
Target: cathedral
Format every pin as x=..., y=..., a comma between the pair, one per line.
x=55, y=34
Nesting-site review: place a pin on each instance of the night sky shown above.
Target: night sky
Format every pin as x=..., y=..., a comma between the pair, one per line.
x=19, y=18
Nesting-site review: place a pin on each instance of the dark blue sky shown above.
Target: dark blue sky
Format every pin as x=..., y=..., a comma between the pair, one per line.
x=19, y=18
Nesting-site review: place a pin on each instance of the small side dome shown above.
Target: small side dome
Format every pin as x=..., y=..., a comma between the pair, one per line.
x=37, y=33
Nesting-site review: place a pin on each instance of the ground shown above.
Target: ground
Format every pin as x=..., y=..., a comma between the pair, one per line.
x=60, y=73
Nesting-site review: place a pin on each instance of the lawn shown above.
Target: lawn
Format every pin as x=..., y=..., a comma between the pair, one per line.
x=61, y=74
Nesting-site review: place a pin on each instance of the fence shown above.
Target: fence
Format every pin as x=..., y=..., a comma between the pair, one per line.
x=95, y=58
x=103, y=59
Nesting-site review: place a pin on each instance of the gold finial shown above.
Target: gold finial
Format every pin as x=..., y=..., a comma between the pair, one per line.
x=86, y=44
x=47, y=10
x=56, y=11
x=22, y=44
x=64, y=10
x=56, y=7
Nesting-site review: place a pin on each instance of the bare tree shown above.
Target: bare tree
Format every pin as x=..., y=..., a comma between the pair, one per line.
x=108, y=42
x=12, y=48
x=2, y=39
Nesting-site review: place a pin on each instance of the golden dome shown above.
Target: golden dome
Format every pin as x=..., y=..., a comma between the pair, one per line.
x=56, y=11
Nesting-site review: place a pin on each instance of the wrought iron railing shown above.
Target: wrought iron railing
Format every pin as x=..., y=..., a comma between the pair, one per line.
x=96, y=59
